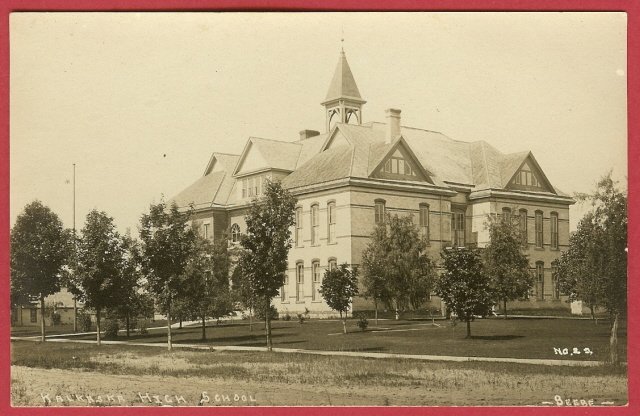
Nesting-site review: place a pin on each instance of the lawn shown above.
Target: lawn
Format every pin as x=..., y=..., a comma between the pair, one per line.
x=495, y=337
x=294, y=379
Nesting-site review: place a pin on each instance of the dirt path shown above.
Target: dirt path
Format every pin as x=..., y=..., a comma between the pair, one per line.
x=33, y=386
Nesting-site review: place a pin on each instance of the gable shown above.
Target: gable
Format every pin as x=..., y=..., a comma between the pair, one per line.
x=400, y=163
x=336, y=139
x=529, y=177
x=252, y=160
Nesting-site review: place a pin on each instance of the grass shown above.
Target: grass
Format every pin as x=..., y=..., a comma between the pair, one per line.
x=495, y=337
x=385, y=380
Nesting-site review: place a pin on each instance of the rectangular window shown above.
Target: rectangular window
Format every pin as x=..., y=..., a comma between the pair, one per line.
x=506, y=215
x=457, y=228
x=556, y=285
x=315, y=225
x=298, y=236
x=259, y=185
x=205, y=230
x=387, y=166
x=331, y=220
x=255, y=185
x=539, y=235
x=244, y=188
x=300, y=282
x=316, y=281
x=34, y=315
x=523, y=226
x=540, y=280
x=283, y=289
x=380, y=211
x=554, y=230
x=424, y=221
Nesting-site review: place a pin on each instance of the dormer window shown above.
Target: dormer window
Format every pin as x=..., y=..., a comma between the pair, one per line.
x=527, y=178
x=397, y=165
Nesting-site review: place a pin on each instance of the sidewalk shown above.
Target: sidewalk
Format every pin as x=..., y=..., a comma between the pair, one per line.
x=533, y=361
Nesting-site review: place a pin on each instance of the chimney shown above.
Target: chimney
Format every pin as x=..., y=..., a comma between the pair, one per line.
x=393, y=124
x=306, y=134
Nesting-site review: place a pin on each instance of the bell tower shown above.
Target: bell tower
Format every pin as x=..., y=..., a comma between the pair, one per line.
x=343, y=103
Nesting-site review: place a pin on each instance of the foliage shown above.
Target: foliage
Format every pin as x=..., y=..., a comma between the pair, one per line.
x=273, y=313
x=111, y=328
x=84, y=321
x=506, y=265
x=167, y=244
x=362, y=322
x=266, y=245
x=286, y=317
x=594, y=269
x=339, y=286
x=39, y=250
x=396, y=267
x=464, y=285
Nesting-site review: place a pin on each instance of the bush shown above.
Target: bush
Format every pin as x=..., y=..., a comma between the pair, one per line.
x=84, y=322
x=55, y=318
x=286, y=317
x=363, y=322
x=273, y=312
x=111, y=329
x=301, y=318
x=142, y=327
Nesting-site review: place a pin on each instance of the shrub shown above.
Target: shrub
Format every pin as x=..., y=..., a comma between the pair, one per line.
x=111, y=328
x=55, y=318
x=301, y=318
x=142, y=327
x=273, y=312
x=84, y=321
x=363, y=322
x=286, y=317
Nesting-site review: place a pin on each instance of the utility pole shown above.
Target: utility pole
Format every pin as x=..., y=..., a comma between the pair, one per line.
x=75, y=302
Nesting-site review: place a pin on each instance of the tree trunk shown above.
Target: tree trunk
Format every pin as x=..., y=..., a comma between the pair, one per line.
x=180, y=326
x=42, y=338
x=344, y=322
x=250, y=319
x=169, y=346
x=268, y=324
x=504, y=305
x=593, y=314
x=468, y=328
x=613, y=342
x=75, y=315
x=204, y=331
x=98, y=340
x=127, y=323
x=375, y=302
x=397, y=313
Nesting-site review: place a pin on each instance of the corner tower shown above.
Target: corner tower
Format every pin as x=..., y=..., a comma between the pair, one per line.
x=343, y=103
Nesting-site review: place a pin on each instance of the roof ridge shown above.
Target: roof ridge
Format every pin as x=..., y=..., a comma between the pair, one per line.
x=273, y=140
x=226, y=154
x=484, y=158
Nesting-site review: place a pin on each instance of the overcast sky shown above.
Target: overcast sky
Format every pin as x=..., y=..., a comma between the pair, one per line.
x=140, y=100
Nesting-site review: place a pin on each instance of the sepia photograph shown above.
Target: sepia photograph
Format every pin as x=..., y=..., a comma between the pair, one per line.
x=240, y=209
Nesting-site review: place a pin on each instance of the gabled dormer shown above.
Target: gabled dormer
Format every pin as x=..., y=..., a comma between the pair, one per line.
x=396, y=161
x=529, y=177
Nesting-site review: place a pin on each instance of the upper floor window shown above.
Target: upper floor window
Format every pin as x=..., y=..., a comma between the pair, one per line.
x=235, y=233
x=315, y=225
x=539, y=235
x=380, y=211
x=554, y=230
x=526, y=177
x=333, y=264
x=523, y=226
x=331, y=220
x=252, y=187
x=506, y=215
x=283, y=289
x=457, y=228
x=396, y=164
x=424, y=221
x=298, y=235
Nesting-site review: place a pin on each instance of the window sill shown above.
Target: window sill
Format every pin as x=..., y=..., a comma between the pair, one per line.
x=539, y=249
x=332, y=243
x=283, y=302
x=300, y=302
x=316, y=301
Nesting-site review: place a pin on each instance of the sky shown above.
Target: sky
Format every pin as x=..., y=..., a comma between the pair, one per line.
x=139, y=101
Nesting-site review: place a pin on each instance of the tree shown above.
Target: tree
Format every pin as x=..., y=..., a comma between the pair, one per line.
x=339, y=286
x=39, y=250
x=464, y=285
x=267, y=243
x=600, y=248
x=100, y=265
x=243, y=292
x=397, y=253
x=167, y=244
x=506, y=265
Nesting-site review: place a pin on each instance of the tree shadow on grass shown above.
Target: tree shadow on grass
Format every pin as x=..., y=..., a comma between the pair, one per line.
x=496, y=337
x=368, y=349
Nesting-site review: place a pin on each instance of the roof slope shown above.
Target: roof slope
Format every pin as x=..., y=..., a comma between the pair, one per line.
x=343, y=84
x=277, y=154
x=202, y=192
x=332, y=164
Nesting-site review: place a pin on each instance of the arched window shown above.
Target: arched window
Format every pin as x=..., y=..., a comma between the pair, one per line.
x=315, y=224
x=316, y=280
x=333, y=263
x=540, y=280
x=300, y=282
x=331, y=221
x=539, y=234
x=554, y=230
x=523, y=226
x=235, y=233
x=380, y=211
x=298, y=237
x=424, y=221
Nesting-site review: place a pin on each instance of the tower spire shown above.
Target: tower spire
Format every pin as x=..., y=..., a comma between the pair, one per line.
x=343, y=102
